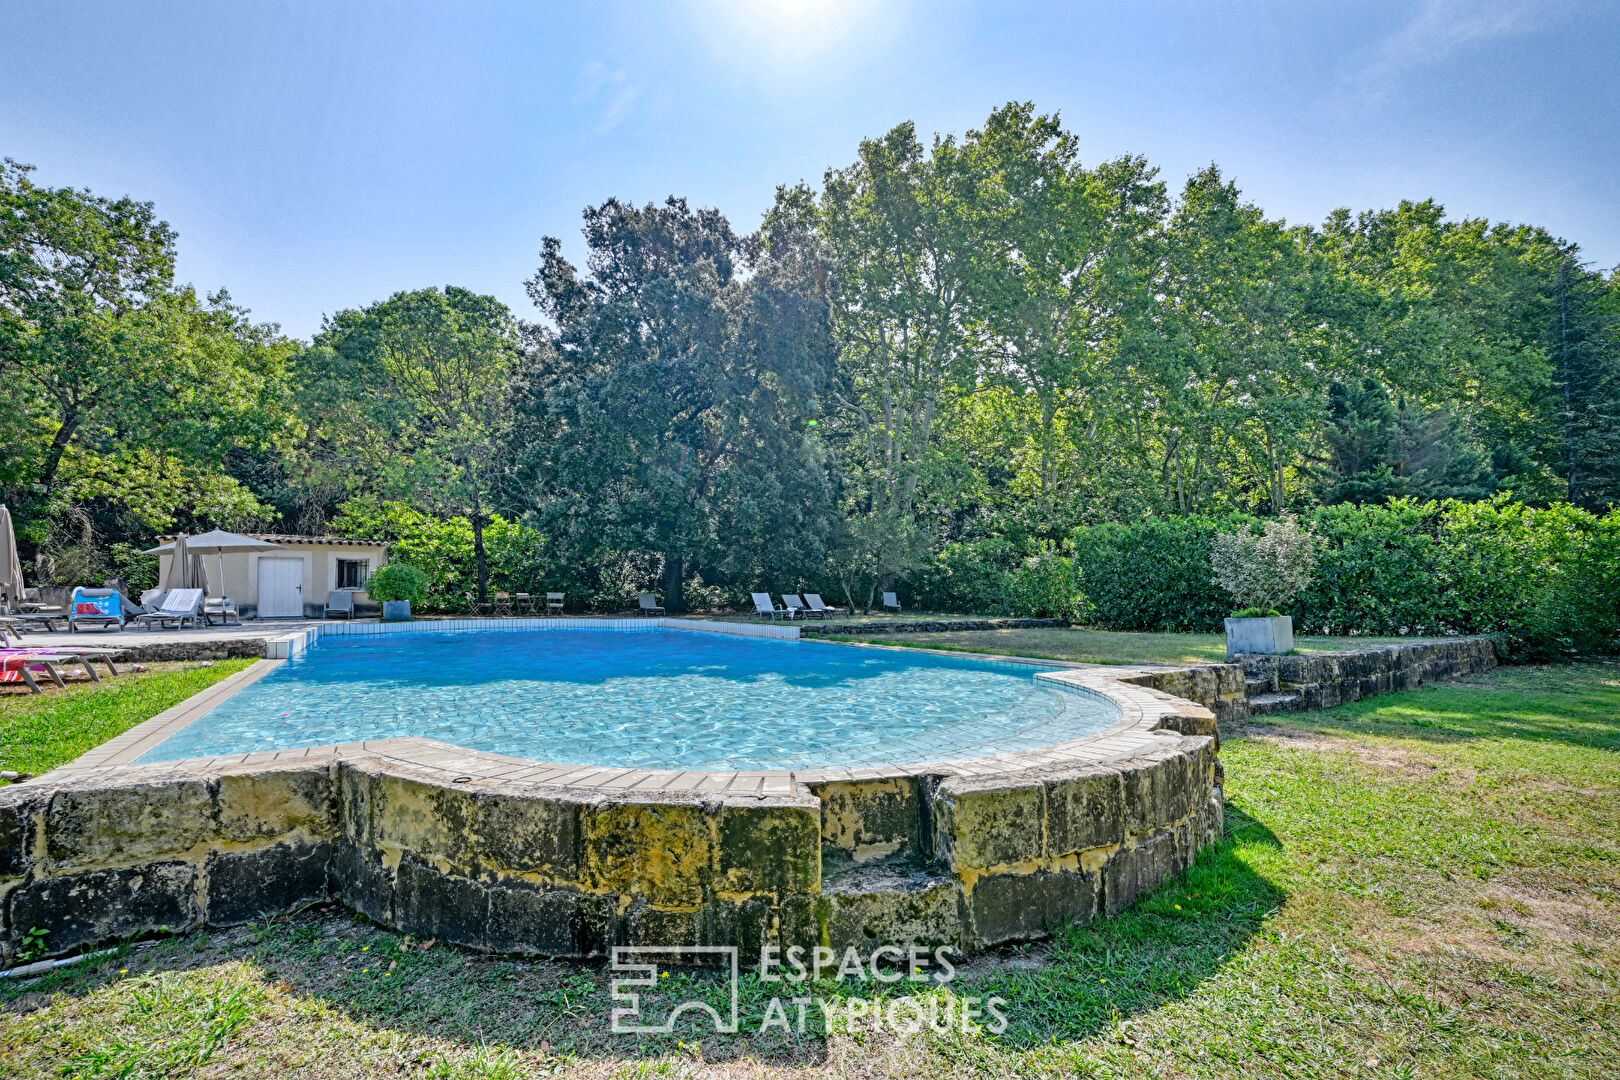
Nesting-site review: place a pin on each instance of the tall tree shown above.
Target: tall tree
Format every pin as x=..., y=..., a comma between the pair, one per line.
x=414, y=394
x=118, y=382
x=671, y=414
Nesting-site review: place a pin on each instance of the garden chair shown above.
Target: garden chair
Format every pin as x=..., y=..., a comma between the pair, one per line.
x=649, y=606
x=340, y=602
x=763, y=605
x=819, y=606
x=554, y=602
x=794, y=606
x=503, y=603
x=523, y=603
x=180, y=606
x=891, y=601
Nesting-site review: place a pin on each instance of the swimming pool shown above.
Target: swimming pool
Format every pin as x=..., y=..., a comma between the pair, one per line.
x=650, y=698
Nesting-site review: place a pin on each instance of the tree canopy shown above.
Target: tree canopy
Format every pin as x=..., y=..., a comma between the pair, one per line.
x=950, y=349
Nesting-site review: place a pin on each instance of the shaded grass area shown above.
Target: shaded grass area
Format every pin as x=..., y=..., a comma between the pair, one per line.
x=1418, y=885
x=1104, y=646
x=41, y=731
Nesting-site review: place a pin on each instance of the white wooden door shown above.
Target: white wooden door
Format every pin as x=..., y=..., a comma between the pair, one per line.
x=281, y=588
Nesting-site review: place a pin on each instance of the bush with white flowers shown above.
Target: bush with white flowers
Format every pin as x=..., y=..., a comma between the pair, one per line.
x=1264, y=570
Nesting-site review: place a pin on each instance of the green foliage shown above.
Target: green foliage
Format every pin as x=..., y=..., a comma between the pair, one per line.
x=669, y=418
x=443, y=550
x=1153, y=575
x=416, y=391
x=1547, y=580
x=1256, y=613
x=398, y=581
x=122, y=388
x=1377, y=570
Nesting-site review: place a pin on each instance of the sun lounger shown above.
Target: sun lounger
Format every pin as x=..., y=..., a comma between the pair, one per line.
x=68, y=655
x=14, y=668
x=818, y=606
x=649, y=606
x=15, y=664
x=794, y=605
x=180, y=606
x=891, y=601
x=96, y=607
x=765, y=606
x=221, y=607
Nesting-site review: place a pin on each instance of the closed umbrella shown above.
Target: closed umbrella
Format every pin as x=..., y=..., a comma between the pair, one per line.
x=11, y=580
x=218, y=541
x=185, y=569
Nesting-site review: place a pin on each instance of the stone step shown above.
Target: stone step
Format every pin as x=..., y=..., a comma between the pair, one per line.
x=1287, y=701
x=1256, y=686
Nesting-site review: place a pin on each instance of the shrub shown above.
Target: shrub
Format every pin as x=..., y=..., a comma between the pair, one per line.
x=1150, y=575
x=1267, y=569
x=398, y=581
x=1044, y=588
x=1378, y=572
x=1546, y=580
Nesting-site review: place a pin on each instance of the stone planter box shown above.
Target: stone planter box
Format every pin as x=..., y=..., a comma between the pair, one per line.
x=399, y=611
x=1272, y=636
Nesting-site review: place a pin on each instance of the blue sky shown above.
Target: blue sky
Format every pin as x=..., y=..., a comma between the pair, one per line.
x=316, y=156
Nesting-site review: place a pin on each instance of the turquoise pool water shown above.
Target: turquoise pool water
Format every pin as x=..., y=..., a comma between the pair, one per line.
x=649, y=698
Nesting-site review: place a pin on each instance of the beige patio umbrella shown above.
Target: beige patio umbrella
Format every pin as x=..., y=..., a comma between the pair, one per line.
x=11, y=581
x=219, y=542
x=185, y=569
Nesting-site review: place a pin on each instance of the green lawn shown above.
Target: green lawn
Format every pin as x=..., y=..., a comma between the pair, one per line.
x=1104, y=646
x=1425, y=884
x=41, y=731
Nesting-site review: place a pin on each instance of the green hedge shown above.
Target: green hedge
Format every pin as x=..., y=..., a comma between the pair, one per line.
x=1547, y=580
x=996, y=577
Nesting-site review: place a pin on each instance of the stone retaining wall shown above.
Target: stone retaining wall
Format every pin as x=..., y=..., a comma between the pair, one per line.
x=971, y=861
x=1256, y=684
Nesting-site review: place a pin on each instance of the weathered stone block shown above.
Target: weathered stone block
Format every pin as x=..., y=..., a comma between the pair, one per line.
x=527, y=835
x=643, y=924
x=1143, y=868
x=879, y=905
x=104, y=905
x=18, y=807
x=276, y=799
x=1085, y=809
x=431, y=903
x=1211, y=820
x=547, y=922
x=363, y=881
x=128, y=819
x=770, y=845
x=870, y=818
x=242, y=886
x=984, y=822
x=1157, y=789
x=1018, y=907
x=662, y=852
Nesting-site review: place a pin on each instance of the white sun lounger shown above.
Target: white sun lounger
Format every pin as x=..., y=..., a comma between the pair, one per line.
x=179, y=607
x=819, y=606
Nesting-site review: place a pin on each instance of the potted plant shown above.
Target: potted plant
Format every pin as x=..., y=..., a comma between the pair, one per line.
x=1263, y=571
x=396, y=585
